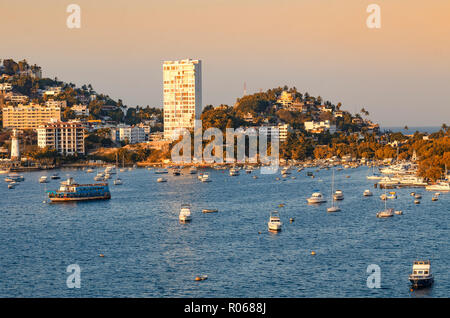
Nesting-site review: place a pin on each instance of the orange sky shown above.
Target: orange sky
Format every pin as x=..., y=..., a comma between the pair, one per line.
x=400, y=73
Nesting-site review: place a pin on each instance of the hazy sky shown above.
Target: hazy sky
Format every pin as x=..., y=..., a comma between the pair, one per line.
x=399, y=73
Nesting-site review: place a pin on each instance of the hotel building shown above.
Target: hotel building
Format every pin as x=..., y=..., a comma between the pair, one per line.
x=29, y=116
x=66, y=137
x=182, y=84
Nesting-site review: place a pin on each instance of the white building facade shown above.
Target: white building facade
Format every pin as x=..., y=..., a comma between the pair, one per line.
x=66, y=137
x=130, y=134
x=182, y=90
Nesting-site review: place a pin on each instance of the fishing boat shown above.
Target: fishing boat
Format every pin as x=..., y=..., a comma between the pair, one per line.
x=316, y=198
x=185, y=213
x=421, y=274
x=71, y=191
x=274, y=223
x=367, y=193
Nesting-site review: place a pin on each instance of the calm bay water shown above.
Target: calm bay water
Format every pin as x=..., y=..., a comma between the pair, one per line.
x=149, y=254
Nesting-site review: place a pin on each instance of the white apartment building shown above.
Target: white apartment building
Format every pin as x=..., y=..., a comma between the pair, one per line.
x=319, y=127
x=66, y=137
x=53, y=90
x=280, y=131
x=182, y=90
x=80, y=110
x=56, y=103
x=130, y=134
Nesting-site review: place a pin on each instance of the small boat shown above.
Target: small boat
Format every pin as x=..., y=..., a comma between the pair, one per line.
x=161, y=180
x=55, y=176
x=185, y=213
x=201, y=278
x=99, y=177
x=274, y=223
x=413, y=194
x=434, y=198
x=421, y=274
x=234, y=172
x=309, y=174
x=14, y=177
x=193, y=170
x=316, y=198
x=4, y=171
x=416, y=201
x=118, y=181
x=398, y=212
x=385, y=213
x=176, y=172
x=205, y=178
x=90, y=170
x=43, y=179
x=12, y=185
x=210, y=210
x=161, y=171
x=417, y=196
x=338, y=195
x=367, y=193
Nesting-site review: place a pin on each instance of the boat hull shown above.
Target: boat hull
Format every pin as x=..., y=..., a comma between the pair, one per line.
x=421, y=282
x=105, y=197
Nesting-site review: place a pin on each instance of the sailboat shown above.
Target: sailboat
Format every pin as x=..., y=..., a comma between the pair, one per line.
x=386, y=213
x=374, y=176
x=117, y=181
x=333, y=208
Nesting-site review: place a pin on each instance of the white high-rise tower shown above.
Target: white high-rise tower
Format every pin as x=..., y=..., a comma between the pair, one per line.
x=15, y=151
x=182, y=84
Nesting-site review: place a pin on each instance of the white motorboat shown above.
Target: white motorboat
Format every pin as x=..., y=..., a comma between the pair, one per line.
x=43, y=179
x=274, y=223
x=185, y=213
x=440, y=186
x=89, y=170
x=398, y=212
x=338, y=195
x=55, y=176
x=12, y=185
x=118, y=181
x=316, y=198
x=367, y=193
x=205, y=178
x=161, y=180
x=4, y=171
x=421, y=274
x=234, y=172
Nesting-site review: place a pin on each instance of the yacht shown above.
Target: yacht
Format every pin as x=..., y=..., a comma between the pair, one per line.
x=185, y=213
x=43, y=179
x=367, y=193
x=421, y=274
x=338, y=195
x=274, y=223
x=440, y=186
x=316, y=197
